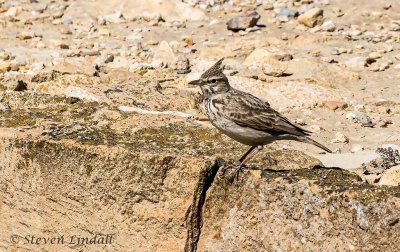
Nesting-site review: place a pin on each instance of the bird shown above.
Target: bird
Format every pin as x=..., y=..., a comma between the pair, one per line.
x=244, y=117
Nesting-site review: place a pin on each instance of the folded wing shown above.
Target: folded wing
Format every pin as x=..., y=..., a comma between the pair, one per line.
x=249, y=111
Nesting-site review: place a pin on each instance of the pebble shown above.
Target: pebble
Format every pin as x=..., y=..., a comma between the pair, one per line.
x=383, y=66
x=360, y=117
x=334, y=105
x=340, y=138
x=312, y=17
x=328, y=26
x=59, y=44
x=12, y=12
x=80, y=93
x=273, y=67
x=104, y=32
x=286, y=12
x=391, y=177
x=243, y=22
x=315, y=128
x=67, y=21
x=356, y=148
x=4, y=67
x=26, y=35
x=357, y=63
x=164, y=53
x=214, y=22
x=37, y=67
x=4, y=55
x=375, y=55
x=181, y=63
x=134, y=36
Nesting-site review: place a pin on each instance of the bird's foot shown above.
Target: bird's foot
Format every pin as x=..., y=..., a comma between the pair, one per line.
x=235, y=170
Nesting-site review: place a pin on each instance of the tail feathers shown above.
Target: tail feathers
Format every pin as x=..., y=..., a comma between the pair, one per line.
x=309, y=140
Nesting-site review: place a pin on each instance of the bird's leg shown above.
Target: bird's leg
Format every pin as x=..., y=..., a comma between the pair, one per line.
x=247, y=153
x=246, y=157
x=238, y=163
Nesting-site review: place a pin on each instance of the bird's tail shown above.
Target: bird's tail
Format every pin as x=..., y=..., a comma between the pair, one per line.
x=309, y=140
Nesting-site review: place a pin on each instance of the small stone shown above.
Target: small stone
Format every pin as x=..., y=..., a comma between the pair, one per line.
x=289, y=13
x=109, y=59
x=134, y=36
x=181, y=63
x=40, y=44
x=188, y=41
x=104, y=32
x=66, y=68
x=59, y=44
x=360, y=117
x=312, y=17
x=26, y=35
x=355, y=33
x=397, y=67
x=328, y=26
x=164, y=53
x=273, y=67
x=356, y=148
x=376, y=14
x=12, y=12
x=67, y=21
x=21, y=86
x=155, y=64
x=4, y=55
x=375, y=55
x=315, y=128
x=371, y=179
x=214, y=22
x=243, y=22
x=37, y=67
x=359, y=108
x=4, y=67
x=334, y=105
x=340, y=138
x=186, y=71
x=80, y=93
x=391, y=177
x=261, y=55
x=383, y=66
x=115, y=17
x=356, y=63
x=66, y=31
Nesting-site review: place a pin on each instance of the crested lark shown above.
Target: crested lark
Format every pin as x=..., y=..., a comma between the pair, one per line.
x=244, y=117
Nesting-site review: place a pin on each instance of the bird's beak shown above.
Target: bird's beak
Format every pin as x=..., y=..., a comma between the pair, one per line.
x=196, y=82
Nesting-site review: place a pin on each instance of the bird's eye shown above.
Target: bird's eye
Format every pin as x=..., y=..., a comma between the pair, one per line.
x=213, y=81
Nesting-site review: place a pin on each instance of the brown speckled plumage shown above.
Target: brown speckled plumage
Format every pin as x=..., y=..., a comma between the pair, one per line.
x=244, y=117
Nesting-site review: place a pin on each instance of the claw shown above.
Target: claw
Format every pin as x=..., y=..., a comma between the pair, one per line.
x=236, y=169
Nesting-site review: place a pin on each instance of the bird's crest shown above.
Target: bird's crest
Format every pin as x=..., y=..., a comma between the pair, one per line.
x=215, y=70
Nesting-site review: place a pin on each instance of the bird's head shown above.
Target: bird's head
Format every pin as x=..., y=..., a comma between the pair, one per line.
x=213, y=81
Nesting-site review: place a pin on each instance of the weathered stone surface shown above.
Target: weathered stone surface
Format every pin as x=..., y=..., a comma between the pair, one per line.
x=273, y=67
x=80, y=161
x=312, y=17
x=164, y=53
x=243, y=22
x=50, y=177
x=391, y=177
x=320, y=209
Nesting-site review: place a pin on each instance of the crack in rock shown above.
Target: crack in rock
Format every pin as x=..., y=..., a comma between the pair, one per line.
x=194, y=214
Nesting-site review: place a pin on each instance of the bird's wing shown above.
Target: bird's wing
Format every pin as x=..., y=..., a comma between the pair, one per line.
x=249, y=111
